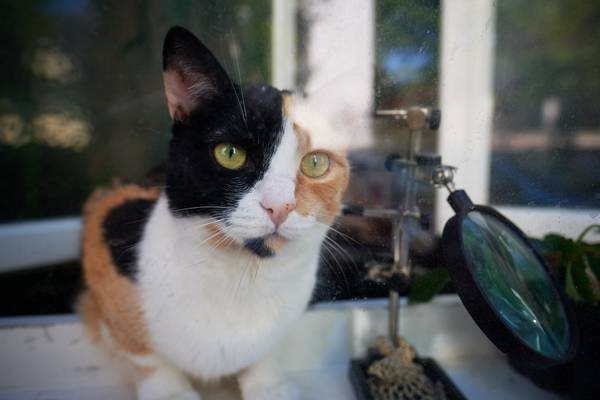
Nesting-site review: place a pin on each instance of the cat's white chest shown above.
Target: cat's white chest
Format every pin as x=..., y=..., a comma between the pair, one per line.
x=211, y=313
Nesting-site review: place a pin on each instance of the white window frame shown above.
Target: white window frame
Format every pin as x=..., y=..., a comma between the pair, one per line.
x=37, y=243
x=467, y=102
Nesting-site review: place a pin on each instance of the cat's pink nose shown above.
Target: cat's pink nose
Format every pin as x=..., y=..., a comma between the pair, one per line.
x=277, y=210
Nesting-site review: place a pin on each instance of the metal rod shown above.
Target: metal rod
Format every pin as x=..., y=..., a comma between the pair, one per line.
x=394, y=296
x=397, y=238
x=411, y=150
x=393, y=314
x=418, y=135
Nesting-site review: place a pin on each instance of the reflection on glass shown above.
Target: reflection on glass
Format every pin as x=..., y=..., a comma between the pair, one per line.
x=546, y=90
x=407, y=51
x=516, y=284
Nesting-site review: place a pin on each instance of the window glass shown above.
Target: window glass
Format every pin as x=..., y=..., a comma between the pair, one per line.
x=546, y=140
x=406, y=75
x=81, y=98
x=407, y=49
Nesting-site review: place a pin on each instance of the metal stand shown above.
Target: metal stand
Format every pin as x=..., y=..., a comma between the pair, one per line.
x=417, y=119
x=412, y=169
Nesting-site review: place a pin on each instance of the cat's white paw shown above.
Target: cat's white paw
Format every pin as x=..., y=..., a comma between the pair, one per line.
x=281, y=391
x=187, y=395
x=191, y=395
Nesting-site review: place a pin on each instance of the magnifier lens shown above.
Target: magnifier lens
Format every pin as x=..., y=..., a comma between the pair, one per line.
x=515, y=284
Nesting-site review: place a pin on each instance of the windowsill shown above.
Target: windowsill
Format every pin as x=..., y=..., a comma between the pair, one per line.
x=51, y=357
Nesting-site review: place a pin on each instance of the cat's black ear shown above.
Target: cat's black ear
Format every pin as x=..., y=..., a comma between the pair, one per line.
x=191, y=74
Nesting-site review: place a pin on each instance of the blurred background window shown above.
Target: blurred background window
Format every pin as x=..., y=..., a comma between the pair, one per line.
x=407, y=53
x=406, y=57
x=546, y=137
x=81, y=98
x=81, y=103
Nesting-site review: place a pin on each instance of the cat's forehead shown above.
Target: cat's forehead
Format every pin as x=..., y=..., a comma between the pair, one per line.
x=262, y=110
x=319, y=130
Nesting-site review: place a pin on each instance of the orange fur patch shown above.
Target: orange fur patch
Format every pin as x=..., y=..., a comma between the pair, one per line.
x=90, y=314
x=111, y=298
x=275, y=243
x=321, y=196
x=287, y=105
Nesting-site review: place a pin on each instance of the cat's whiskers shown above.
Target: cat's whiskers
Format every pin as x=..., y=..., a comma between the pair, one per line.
x=224, y=241
x=213, y=221
x=212, y=236
x=256, y=269
x=242, y=109
x=339, y=248
x=237, y=67
x=340, y=269
x=345, y=236
x=335, y=244
x=200, y=208
x=345, y=256
x=243, y=274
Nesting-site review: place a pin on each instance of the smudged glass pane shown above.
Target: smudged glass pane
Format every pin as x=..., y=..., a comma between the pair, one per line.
x=546, y=141
x=81, y=97
x=407, y=50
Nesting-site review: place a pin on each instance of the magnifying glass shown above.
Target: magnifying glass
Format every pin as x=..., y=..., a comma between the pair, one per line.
x=506, y=286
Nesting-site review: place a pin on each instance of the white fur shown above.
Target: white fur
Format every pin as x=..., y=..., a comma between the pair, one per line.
x=213, y=312
x=249, y=220
x=264, y=381
x=165, y=382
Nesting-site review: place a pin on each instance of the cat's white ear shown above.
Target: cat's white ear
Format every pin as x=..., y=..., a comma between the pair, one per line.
x=192, y=76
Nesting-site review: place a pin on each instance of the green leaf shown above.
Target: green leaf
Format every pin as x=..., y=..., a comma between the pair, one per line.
x=570, y=287
x=592, y=272
x=554, y=242
x=424, y=287
x=591, y=228
x=557, y=250
x=593, y=262
x=581, y=281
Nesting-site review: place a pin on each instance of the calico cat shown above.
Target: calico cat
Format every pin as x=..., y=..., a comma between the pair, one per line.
x=199, y=279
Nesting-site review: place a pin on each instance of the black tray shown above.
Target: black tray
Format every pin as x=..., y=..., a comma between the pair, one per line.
x=358, y=377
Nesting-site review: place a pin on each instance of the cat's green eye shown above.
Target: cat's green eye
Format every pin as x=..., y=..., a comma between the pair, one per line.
x=230, y=156
x=315, y=164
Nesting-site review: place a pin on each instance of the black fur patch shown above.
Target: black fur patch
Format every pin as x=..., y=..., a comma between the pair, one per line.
x=123, y=229
x=258, y=247
x=250, y=117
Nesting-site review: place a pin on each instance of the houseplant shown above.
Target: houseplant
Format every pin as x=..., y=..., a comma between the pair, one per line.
x=576, y=265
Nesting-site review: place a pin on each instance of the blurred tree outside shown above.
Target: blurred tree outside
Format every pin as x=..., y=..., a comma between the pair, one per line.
x=547, y=48
x=407, y=53
x=81, y=97
x=547, y=126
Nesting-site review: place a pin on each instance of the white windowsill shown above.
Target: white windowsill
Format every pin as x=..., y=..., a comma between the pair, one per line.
x=37, y=243
x=50, y=357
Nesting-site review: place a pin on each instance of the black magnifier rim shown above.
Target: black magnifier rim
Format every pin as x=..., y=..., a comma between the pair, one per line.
x=477, y=304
